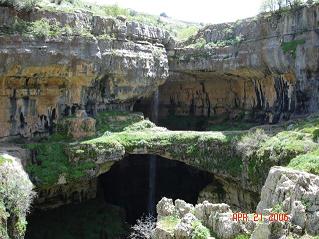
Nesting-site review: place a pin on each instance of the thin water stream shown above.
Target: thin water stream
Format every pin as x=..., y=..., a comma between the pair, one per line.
x=152, y=159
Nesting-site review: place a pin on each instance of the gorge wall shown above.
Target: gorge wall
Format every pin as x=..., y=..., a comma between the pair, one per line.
x=266, y=69
x=43, y=80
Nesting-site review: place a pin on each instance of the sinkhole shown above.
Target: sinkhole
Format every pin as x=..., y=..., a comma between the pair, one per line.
x=123, y=196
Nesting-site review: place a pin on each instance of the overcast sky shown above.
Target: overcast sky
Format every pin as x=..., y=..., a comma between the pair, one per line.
x=207, y=11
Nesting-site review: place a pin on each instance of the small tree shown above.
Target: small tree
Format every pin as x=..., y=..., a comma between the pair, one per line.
x=143, y=228
x=274, y=5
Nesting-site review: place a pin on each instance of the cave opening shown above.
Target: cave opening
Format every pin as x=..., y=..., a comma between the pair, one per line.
x=127, y=183
x=122, y=198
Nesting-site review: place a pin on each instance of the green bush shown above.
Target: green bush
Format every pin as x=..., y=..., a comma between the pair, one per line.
x=19, y=4
x=43, y=28
x=250, y=142
x=308, y=162
x=186, y=32
x=40, y=29
x=242, y=236
x=315, y=135
x=199, y=231
x=16, y=196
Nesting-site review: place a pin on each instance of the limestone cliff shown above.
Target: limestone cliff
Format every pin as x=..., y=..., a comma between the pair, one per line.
x=43, y=80
x=265, y=68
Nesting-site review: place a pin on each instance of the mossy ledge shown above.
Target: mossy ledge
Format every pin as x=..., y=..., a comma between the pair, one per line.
x=242, y=156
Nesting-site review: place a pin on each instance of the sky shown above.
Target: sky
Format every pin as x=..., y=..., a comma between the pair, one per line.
x=206, y=11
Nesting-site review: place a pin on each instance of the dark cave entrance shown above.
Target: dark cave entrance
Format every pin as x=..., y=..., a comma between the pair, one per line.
x=122, y=198
x=127, y=183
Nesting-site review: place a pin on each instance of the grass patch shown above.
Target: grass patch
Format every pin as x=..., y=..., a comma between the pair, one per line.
x=308, y=162
x=168, y=223
x=242, y=236
x=116, y=121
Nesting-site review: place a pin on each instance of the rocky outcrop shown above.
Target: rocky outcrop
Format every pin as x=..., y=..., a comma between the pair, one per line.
x=289, y=193
x=297, y=193
x=227, y=191
x=80, y=126
x=216, y=217
x=261, y=69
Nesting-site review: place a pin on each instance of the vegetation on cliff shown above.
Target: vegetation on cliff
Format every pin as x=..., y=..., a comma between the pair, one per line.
x=43, y=28
x=19, y=4
x=179, y=29
x=250, y=153
x=16, y=196
x=51, y=163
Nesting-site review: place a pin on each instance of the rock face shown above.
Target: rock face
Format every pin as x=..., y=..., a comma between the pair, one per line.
x=286, y=191
x=263, y=69
x=80, y=126
x=231, y=194
x=297, y=192
x=197, y=220
x=44, y=80
x=268, y=68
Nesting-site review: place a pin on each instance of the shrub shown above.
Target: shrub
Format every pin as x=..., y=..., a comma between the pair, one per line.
x=19, y=4
x=185, y=33
x=291, y=47
x=143, y=228
x=199, y=231
x=40, y=28
x=16, y=196
x=242, y=236
x=278, y=208
x=308, y=162
x=200, y=43
x=251, y=142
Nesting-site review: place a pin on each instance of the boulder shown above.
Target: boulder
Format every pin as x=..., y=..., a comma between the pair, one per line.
x=298, y=193
x=165, y=207
x=183, y=208
x=184, y=229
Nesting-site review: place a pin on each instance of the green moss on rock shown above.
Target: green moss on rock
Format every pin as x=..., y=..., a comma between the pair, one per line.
x=115, y=121
x=291, y=46
x=51, y=162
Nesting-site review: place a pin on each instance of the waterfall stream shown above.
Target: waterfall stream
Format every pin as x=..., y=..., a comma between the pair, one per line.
x=152, y=161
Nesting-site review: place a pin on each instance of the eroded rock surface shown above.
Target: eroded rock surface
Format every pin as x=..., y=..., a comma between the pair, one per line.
x=43, y=80
x=297, y=193
x=265, y=66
